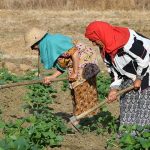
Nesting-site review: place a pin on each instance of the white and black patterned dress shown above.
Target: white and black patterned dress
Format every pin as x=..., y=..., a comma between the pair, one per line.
x=131, y=61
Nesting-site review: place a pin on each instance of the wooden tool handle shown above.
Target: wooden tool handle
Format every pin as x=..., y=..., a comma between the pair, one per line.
x=125, y=90
x=28, y=83
x=102, y=103
x=90, y=110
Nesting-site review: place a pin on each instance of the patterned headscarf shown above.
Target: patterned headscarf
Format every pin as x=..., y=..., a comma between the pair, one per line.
x=52, y=46
x=112, y=37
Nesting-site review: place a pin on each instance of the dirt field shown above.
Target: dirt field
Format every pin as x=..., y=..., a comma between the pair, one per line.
x=13, y=55
x=11, y=104
x=13, y=24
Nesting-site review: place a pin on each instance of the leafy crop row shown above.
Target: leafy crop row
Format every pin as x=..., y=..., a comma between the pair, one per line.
x=41, y=128
x=124, y=137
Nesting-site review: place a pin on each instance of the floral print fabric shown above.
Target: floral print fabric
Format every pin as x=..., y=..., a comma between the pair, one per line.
x=87, y=57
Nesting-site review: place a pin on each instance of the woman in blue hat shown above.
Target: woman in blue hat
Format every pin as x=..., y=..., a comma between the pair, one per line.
x=62, y=53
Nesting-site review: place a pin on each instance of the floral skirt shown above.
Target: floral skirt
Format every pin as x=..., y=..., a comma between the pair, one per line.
x=85, y=96
x=135, y=106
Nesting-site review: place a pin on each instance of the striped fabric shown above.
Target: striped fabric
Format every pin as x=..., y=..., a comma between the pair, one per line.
x=132, y=60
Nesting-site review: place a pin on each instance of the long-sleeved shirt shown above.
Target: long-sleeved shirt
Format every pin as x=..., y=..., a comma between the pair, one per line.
x=132, y=60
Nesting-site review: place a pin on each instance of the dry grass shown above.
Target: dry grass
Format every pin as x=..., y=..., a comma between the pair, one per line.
x=75, y=4
x=13, y=24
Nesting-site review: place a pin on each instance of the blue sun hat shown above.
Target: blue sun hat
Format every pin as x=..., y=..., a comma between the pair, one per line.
x=52, y=46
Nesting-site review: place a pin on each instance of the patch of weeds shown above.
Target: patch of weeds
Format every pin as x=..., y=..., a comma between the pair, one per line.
x=103, y=83
x=101, y=123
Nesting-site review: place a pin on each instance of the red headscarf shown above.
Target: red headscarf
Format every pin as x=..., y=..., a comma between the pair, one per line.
x=112, y=37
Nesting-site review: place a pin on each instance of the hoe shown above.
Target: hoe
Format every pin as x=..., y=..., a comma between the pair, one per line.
x=73, y=119
x=28, y=83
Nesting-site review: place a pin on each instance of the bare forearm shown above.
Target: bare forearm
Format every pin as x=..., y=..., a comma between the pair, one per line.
x=47, y=79
x=56, y=74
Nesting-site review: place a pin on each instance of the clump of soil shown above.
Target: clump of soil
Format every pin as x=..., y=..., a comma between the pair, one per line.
x=11, y=103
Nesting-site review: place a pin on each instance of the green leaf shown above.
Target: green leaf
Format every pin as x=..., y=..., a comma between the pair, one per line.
x=146, y=134
x=145, y=143
x=59, y=138
x=2, y=125
x=13, y=137
x=128, y=139
x=38, y=135
x=52, y=135
x=19, y=122
x=46, y=134
x=31, y=119
x=52, y=142
x=21, y=144
x=139, y=128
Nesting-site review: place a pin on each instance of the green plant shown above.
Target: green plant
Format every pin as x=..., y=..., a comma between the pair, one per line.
x=101, y=123
x=5, y=76
x=38, y=130
x=103, y=83
x=41, y=129
x=135, y=137
x=65, y=85
x=40, y=94
x=16, y=144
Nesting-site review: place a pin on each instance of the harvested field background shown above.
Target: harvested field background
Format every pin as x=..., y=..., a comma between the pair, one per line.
x=75, y=4
x=14, y=23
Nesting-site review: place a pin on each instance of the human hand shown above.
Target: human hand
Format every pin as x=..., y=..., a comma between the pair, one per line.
x=73, y=76
x=47, y=80
x=112, y=96
x=137, y=84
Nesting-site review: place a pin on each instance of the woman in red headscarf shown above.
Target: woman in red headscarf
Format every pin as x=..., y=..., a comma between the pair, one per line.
x=127, y=56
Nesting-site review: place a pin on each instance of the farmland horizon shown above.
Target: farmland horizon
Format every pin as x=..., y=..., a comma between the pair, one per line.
x=97, y=5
